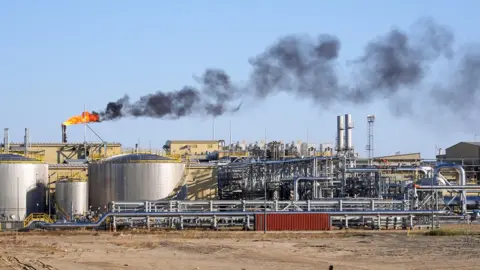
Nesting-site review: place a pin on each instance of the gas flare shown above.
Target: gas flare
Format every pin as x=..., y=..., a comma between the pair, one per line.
x=86, y=117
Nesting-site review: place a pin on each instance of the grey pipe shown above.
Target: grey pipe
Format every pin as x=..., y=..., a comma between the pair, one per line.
x=6, y=141
x=362, y=170
x=472, y=187
x=463, y=180
x=199, y=214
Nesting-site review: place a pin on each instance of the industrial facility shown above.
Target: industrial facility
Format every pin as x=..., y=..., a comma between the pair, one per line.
x=209, y=183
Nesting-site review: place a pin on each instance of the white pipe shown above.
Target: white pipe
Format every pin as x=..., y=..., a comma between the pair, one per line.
x=476, y=187
x=463, y=181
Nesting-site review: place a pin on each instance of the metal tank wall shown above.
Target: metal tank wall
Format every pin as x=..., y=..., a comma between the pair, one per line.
x=127, y=181
x=71, y=197
x=22, y=189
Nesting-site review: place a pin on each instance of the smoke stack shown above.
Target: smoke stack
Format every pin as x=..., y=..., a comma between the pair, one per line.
x=340, y=133
x=348, y=134
x=64, y=133
x=6, y=141
x=27, y=140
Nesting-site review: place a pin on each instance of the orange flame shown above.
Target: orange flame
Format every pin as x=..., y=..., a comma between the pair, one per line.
x=86, y=117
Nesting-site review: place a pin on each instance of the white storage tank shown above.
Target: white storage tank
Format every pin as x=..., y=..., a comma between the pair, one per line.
x=132, y=177
x=71, y=198
x=23, y=186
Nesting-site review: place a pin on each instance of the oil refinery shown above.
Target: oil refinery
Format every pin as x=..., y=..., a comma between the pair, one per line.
x=259, y=186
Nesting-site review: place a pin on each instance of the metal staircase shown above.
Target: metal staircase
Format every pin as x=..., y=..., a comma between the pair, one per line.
x=36, y=217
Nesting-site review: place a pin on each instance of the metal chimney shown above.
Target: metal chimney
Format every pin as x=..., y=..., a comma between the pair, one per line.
x=6, y=141
x=64, y=133
x=348, y=134
x=340, y=133
x=27, y=140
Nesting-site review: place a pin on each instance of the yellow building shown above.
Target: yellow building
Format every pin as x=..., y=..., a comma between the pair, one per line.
x=195, y=147
x=57, y=153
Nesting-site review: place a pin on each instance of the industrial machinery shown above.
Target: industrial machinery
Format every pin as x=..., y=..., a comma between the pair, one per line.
x=132, y=177
x=71, y=198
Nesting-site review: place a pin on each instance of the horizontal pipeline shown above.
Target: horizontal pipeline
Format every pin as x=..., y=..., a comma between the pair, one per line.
x=231, y=214
x=449, y=187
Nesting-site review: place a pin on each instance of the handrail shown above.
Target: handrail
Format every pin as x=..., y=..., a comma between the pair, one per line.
x=36, y=217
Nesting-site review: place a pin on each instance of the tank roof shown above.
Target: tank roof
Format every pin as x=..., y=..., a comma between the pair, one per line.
x=14, y=158
x=136, y=157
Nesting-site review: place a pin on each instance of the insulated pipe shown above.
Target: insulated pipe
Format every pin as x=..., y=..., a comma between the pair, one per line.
x=463, y=180
x=208, y=214
x=295, y=184
x=449, y=187
x=362, y=170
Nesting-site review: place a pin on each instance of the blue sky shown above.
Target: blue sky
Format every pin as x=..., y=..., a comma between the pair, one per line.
x=59, y=55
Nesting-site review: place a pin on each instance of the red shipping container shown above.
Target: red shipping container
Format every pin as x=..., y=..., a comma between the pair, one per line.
x=293, y=222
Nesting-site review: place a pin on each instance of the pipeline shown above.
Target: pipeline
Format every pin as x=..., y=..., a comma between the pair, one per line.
x=472, y=187
x=463, y=181
x=229, y=214
x=424, y=170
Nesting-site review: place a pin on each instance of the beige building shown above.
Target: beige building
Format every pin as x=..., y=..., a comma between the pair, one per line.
x=466, y=154
x=197, y=147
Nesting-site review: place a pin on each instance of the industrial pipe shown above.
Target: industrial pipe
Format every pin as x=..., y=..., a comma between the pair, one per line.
x=362, y=170
x=199, y=214
x=472, y=187
x=463, y=181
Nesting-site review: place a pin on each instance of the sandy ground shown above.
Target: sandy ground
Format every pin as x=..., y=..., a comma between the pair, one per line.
x=237, y=250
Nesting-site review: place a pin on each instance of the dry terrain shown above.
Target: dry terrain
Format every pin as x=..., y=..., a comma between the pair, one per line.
x=238, y=250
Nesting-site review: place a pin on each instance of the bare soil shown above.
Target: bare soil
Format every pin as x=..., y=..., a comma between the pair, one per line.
x=239, y=250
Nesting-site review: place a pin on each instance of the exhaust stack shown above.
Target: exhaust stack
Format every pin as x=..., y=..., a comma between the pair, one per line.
x=27, y=141
x=64, y=133
x=348, y=134
x=6, y=141
x=340, y=133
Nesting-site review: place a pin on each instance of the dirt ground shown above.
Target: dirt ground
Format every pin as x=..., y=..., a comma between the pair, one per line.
x=238, y=250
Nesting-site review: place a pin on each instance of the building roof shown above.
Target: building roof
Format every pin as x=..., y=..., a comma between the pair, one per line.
x=16, y=158
x=136, y=157
x=194, y=141
x=401, y=156
x=33, y=144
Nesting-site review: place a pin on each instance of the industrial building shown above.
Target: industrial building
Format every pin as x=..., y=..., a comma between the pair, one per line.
x=466, y=154
x=93, y=181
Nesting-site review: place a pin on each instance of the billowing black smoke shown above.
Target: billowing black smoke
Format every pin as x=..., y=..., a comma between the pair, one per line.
x=308, y=68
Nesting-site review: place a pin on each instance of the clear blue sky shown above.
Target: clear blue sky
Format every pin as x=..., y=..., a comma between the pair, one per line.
x=58, y=55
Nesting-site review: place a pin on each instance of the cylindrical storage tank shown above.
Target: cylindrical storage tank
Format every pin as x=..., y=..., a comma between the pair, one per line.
x=23, y=186
x=132, y=177
x=71, y=198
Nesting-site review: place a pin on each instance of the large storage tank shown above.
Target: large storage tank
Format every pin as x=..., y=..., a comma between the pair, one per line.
x=132, y=177
x=22, y=186
x=71, y=198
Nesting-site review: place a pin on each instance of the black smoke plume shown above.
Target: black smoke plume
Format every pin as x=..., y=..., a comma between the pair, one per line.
x=308, y=68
